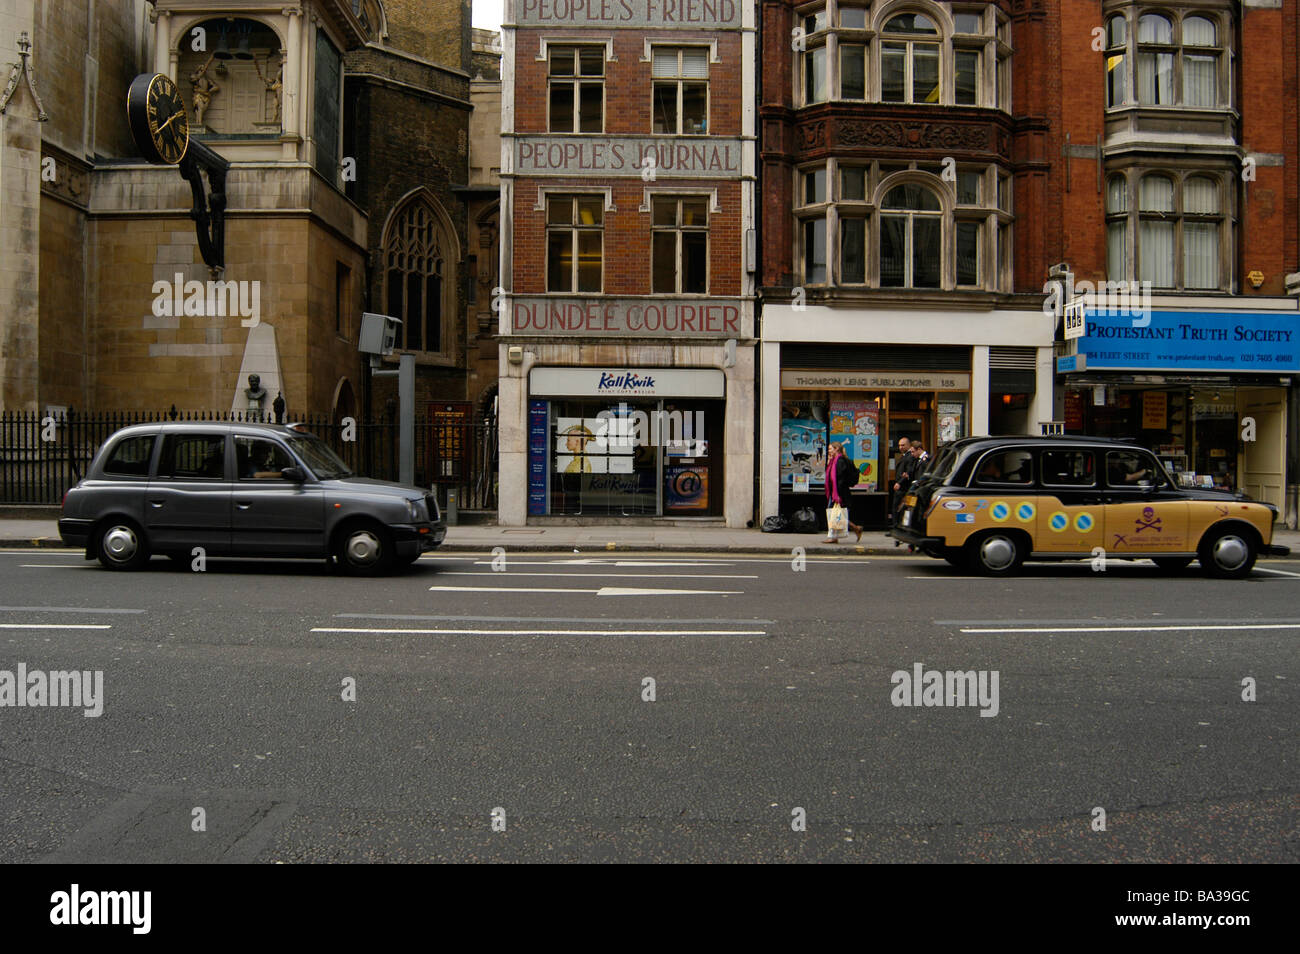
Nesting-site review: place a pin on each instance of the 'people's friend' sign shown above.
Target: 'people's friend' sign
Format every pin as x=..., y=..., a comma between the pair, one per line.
x=691, y=14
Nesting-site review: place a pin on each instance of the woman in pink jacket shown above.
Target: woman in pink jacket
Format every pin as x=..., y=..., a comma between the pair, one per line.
x=837, y=486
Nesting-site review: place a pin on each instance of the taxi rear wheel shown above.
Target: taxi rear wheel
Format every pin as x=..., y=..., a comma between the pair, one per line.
x=121, y=544
x=995, y=553
x=1228, y=553
x=1171, y=564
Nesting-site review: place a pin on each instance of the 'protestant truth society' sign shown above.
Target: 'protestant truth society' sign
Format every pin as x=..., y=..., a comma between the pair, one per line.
x=696, y=14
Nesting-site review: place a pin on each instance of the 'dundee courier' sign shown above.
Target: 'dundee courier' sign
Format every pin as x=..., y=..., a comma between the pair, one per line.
x=657, y=317
x=690, y=14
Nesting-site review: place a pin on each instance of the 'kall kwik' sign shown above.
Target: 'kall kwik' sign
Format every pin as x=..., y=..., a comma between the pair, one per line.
x=695, y=14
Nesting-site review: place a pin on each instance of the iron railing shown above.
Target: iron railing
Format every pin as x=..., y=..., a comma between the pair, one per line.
x=42, y=456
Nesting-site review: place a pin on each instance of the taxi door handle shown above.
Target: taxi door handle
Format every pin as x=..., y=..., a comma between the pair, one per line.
x=156, y=504
x=244, y=506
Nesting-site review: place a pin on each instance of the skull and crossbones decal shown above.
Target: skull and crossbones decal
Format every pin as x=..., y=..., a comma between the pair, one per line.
x=1148, y=521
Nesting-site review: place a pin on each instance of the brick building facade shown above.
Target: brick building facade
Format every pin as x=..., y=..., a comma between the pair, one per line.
x=627, y=199
x=1177, y=125
x=924, y=166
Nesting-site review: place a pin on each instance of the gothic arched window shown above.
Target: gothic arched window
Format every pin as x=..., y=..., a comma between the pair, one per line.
x=415, y=276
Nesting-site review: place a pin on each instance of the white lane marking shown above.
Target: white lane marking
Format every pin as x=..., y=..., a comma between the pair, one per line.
x=1264, y=569
x=606, y=562
x=609, y=576
x=603, y=591
x=64, y=609
x=548, y=632
x=55, y=626
x=1131, y=629
x=49, y=566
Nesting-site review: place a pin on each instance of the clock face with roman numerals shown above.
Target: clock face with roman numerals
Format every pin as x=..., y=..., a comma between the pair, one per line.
x=157, y=117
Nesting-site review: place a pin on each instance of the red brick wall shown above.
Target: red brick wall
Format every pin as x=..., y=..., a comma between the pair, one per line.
x=627, y=82
x=627, y=236
x=1268, y=221
x=628, y=113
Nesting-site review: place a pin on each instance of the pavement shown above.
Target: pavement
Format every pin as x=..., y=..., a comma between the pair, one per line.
x=476, y=538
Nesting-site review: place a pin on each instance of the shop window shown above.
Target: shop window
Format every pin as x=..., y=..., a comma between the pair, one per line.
x=577, y=89
x=680, y=245
x=574, y=243
x=680, y=90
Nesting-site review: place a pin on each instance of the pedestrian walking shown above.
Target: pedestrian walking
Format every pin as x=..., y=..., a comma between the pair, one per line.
x=904, y=458
x=904, y=474
x=841, y=475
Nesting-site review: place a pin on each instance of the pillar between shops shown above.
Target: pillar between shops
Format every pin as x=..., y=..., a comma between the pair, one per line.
x=512, y=437
x=979, y=390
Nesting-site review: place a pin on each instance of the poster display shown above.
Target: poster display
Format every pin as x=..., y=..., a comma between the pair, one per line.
x=537, y=432
x=951, y=420
x=855, y=424
x=580, y=446
x=687, y=487
x=1155, y=410
x=803, y=443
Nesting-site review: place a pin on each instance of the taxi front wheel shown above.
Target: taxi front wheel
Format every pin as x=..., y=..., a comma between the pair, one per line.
x=1229, y=553
x=995, y=553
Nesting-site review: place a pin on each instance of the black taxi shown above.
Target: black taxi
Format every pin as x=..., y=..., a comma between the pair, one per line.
x=990, y=503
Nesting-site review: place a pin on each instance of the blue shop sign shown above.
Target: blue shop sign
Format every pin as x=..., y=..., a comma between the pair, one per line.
x=1193, y=341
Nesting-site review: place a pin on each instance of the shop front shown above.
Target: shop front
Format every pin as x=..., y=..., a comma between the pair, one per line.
x=626, y=442
x=865, y=377
x=1206, y=390
x=866, y=413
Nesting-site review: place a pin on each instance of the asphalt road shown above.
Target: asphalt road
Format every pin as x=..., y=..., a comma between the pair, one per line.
x=773, y=700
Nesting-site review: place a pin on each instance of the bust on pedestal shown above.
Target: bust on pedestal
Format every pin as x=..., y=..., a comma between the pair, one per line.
x=256, y=394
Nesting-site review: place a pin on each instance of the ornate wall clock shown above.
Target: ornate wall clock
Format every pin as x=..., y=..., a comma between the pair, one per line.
x=156, y=114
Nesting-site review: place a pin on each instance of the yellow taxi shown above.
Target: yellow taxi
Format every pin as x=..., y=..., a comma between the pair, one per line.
x=990, y=503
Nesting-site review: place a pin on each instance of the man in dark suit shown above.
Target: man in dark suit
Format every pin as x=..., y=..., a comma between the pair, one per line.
x=903, y=473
